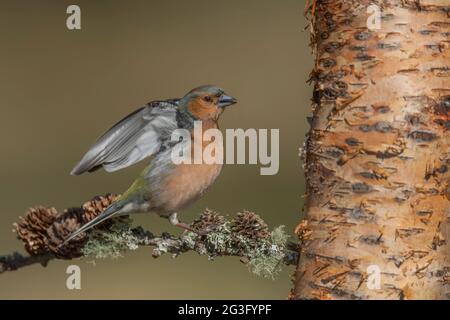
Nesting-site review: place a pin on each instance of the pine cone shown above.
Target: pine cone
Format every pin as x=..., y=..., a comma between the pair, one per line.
x=32, y=229
x=71, y=220
x=97, y=205
x=208, y=221
x=250, y=225
x=44, y=230
x=76, y=213
x=58, y=232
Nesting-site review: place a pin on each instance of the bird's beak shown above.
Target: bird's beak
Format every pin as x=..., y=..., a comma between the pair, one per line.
x=226, y=101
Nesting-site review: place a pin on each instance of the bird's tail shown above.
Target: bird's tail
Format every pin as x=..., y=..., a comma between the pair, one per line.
x=110, y=211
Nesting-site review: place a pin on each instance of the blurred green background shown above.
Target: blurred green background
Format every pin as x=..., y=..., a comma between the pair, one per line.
x=60, y=89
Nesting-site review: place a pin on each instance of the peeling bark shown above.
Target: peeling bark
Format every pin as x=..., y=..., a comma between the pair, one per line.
x=377, y=156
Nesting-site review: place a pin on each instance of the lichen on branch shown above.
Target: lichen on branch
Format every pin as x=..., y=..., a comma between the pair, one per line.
x=43, y=231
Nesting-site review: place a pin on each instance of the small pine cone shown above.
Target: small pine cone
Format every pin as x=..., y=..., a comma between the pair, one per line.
x=208, y=220
x=71, y=220
x=32, y=229
x=59, y=231
x=76, y=213
x=97, y=205
x=250, y=225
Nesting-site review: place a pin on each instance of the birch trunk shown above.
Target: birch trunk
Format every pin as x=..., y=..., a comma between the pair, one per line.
x=378, y=153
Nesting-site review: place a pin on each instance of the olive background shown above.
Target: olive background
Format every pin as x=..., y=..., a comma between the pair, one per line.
x=61, y=89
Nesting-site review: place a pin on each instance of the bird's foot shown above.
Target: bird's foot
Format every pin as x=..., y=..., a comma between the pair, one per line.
x=185, y=226
x=199, y=232
x=175, y=222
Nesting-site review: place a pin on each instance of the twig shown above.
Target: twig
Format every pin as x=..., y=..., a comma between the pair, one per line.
x=16, y=261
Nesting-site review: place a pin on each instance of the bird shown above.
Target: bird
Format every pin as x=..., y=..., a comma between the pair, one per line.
x=163, y=187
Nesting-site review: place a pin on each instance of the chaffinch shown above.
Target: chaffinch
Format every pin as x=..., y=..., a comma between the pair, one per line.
x=163, y=187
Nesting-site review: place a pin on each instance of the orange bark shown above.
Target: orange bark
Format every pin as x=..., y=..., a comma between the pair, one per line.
x=378, y=153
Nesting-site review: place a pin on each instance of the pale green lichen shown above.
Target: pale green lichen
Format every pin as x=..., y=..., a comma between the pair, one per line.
x=279, y=236
x=267, y=259
x=111, y=244
x=220, y=240
x=265, y=256
x=189, y=238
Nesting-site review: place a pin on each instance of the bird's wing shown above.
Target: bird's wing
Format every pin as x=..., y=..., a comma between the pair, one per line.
x=135, y=137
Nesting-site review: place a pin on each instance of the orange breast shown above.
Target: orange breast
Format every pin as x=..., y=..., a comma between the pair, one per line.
x=187, y=182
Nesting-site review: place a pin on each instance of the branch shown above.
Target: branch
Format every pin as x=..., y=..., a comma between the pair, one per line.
x=16, y=261
x=246, y=236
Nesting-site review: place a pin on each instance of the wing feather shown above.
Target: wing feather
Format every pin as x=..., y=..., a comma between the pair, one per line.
x=135, y=137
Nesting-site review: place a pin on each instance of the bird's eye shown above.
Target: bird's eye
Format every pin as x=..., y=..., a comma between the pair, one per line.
x=207, y=99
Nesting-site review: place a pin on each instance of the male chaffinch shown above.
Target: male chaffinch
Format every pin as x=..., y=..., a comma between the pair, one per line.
x=163, y=187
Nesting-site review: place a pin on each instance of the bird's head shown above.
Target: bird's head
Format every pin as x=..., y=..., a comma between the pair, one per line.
x=206, y=102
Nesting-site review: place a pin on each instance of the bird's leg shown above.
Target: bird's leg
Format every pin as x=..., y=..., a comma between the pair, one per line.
x=173, y=219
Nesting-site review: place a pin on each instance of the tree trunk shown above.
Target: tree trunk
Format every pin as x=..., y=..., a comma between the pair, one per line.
x=378, y=153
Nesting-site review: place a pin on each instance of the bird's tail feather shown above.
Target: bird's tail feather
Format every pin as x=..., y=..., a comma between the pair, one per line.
x=111, y=211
